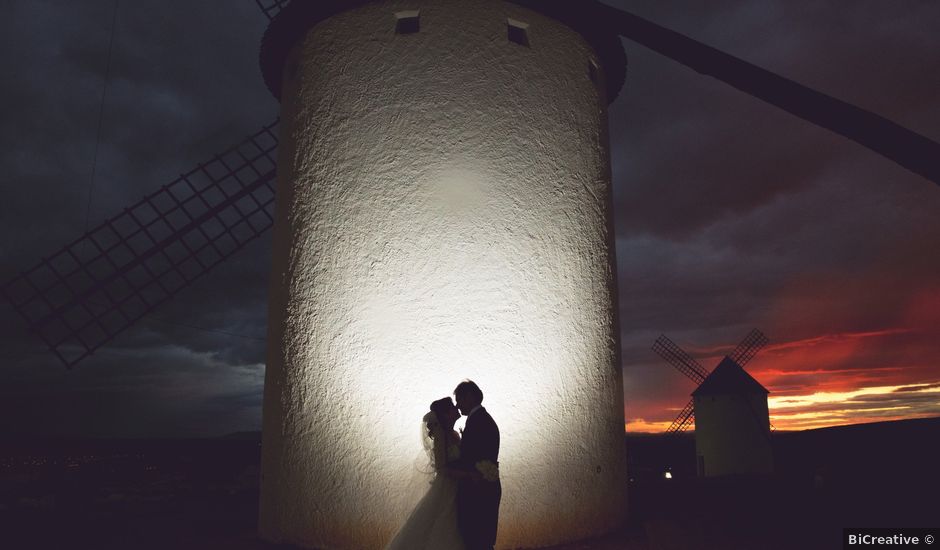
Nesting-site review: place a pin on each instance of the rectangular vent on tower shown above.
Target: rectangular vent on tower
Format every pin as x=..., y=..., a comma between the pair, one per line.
x=408, y=22
x=518, y=32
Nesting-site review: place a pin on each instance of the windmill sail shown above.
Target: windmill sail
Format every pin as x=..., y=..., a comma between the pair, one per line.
x=752, y=343
x=668, y=350
x=684, y=419
x=685, y=363
x=905, y=147
x=270, y=8
x=85, y=294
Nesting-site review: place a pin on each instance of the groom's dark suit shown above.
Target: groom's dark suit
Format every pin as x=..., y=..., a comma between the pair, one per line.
x=478, y=501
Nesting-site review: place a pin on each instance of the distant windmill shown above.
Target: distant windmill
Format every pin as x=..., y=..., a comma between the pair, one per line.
x=688, y=366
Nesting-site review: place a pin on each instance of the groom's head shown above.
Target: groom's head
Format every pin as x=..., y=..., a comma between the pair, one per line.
x=468, y=396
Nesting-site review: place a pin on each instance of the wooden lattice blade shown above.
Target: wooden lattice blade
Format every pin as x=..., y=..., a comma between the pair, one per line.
x=83, y=295
x=748, y=348
x=682, y=361
x=684, y=419
x=270, y=8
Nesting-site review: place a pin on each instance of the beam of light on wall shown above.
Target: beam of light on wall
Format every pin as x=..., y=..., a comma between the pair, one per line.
x=441, y=217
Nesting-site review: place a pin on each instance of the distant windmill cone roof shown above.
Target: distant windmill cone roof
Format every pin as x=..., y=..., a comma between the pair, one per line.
x=729, y=378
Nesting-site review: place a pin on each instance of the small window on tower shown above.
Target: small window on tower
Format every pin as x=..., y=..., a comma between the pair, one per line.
x=408, y=22
x=518, y=32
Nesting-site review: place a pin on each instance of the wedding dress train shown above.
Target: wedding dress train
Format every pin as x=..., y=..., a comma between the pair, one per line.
x=433, y=523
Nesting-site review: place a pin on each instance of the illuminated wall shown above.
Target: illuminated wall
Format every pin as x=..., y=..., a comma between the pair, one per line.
x=443, y=213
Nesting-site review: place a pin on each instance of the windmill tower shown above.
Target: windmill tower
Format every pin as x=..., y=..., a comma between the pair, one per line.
x=732, y=423
x=729, y=408
x=443, y=213
x=476, y=140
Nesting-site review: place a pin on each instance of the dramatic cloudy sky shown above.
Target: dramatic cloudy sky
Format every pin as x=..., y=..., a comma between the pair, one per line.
x=730, y=214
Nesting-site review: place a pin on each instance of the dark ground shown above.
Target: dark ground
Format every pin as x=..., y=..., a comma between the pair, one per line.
x=203, y=494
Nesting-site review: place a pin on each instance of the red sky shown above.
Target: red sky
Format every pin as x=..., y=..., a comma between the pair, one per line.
x=733, y=215
x=832, y=378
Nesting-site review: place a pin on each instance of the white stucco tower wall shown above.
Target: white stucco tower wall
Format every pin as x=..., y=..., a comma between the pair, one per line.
x=443, y=212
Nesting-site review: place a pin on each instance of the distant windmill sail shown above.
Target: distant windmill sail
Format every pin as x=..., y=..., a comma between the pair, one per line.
x=687, y=365
x=85, y=294
x=684, y=419
x=749, y=347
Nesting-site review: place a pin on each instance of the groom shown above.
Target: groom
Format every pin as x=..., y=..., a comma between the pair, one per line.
x=479, y=492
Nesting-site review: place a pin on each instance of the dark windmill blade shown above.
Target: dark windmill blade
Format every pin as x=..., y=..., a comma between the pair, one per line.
x=270, y=8
x=686, y=364
x=909, y=149
x=684, y=419
x=752, y=343
x=85, y=294
x=747, y=349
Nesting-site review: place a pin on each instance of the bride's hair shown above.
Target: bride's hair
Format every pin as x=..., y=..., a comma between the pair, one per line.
x=437, y=408
x=433, y=435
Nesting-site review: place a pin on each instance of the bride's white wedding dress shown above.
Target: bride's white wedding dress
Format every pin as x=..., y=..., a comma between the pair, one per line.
x=433, y=523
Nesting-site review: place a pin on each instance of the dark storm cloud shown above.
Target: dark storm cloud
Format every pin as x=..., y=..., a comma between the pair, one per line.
x=692, y=150
x=732, y=214
x=183, y=84
x=175, y=96
x=917, y=388
x=720, y=198
x=169, y=390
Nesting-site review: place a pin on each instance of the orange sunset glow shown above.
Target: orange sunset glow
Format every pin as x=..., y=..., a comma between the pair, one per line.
x=833, y=380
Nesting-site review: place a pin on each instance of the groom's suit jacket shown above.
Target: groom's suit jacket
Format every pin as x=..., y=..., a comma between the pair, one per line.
x=480, y=440
x=478, y=501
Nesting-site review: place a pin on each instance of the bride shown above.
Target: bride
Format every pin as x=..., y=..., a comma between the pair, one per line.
x=433, y=523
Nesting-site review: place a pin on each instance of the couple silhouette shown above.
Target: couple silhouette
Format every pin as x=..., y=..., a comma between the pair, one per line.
x=460, y=511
